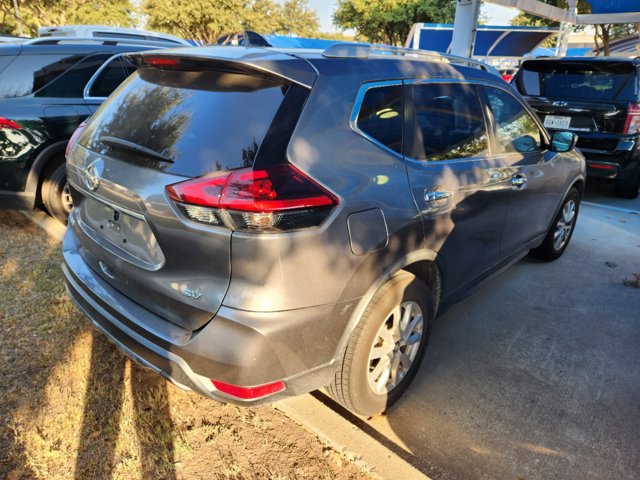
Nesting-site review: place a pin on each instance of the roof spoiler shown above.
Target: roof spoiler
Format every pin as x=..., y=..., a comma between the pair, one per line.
x=260, y=61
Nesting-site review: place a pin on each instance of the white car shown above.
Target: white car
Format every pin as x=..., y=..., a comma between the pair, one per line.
x=102, y=32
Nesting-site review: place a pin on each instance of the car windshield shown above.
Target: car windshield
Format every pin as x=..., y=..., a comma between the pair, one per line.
x=580, y=80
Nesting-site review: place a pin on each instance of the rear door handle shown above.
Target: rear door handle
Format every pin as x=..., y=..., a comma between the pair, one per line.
x=519, y=181
x=437, y=200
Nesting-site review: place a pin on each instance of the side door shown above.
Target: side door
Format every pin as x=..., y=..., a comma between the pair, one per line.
x=537, y=173
x=460, y=188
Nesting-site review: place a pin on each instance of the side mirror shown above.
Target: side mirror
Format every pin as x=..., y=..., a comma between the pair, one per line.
x=563, y=141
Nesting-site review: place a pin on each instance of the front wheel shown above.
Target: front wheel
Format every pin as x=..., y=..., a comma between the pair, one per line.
x=386, y=347
x=561, y=231
x=56, y=195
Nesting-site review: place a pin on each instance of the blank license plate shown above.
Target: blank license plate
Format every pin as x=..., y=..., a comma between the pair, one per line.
x=555, y=121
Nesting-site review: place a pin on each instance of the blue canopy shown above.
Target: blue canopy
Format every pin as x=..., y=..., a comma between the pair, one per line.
x=614, y=6
x=491, y=41
x=551, y=52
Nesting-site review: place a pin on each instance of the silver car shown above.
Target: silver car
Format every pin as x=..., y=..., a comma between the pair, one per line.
x=254, y=224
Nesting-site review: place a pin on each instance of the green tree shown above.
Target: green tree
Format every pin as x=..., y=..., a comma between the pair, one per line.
x=201, y=20
x=262, y=16
x=297, y=18
x=294, y=17
x=389, y=21
x=40, y=13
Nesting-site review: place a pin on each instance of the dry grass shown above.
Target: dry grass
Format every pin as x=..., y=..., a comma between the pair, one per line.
x=74, y=407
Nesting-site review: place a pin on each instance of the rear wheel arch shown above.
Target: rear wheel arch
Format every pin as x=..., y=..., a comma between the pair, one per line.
x=45, y=162
x=422, y=263
x=579, y=185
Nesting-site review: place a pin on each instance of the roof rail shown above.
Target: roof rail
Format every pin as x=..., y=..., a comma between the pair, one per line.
x=365, y=50
x=100, y=41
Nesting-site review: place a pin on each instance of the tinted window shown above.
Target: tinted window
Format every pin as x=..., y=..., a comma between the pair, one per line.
x=380, y=115
x=28, y=73
x=204, y=121
x=579, y=80
x=450, y=123
x=110, y=77
x=516, y=130
x=71, y=84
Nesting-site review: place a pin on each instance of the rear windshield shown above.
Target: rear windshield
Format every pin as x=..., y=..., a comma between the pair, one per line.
x=202, y=121
x=579, y=80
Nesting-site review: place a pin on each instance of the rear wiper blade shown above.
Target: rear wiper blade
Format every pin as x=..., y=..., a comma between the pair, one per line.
x=134, y=147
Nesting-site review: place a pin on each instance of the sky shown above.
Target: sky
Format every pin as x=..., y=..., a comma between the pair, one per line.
x=497, y=15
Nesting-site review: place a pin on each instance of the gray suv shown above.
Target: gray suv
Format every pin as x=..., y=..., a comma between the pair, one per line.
x=254, y=224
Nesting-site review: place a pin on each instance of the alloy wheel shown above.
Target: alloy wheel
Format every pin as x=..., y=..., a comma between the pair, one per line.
x=564, y=225
x=395, y=347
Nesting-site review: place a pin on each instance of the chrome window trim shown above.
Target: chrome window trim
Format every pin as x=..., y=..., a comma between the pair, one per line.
x=364, y=88
x=94, y=77
x=355, y=112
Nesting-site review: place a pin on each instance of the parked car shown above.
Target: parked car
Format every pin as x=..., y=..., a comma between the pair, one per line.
x=507, y=74
x=47, y=87
x=253, y=224
x=599, y=98
x=104, y=31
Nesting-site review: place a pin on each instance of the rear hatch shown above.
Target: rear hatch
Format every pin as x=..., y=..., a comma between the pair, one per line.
x=170, y=121
x=583, y=96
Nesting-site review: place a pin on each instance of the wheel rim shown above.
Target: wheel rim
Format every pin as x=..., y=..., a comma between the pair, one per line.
x=564, y=225
x=65, y=197
x=395, y=347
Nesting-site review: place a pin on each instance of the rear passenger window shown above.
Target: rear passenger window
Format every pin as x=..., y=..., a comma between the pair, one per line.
x=28, y=73
x=108, y=80
x=449, y=121
x=63, y=82
x=380, y=116
x=516, y=130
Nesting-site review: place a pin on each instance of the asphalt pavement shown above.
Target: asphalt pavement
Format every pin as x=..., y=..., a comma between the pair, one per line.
x=536, y=375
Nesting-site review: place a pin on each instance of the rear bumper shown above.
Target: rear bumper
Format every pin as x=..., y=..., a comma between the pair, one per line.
x=610, y=164
x=235, y=347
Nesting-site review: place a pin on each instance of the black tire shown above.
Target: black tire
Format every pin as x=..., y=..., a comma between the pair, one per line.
x=550, y=249
x=55, y=193
x=351, y=386
x=628, y=187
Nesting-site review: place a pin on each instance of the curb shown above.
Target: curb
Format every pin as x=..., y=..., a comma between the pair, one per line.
x=347, y=438
x=50, y=225
x=310, y=412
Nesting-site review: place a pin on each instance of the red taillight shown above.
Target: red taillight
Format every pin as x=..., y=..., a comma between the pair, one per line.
x=249, y=393
x=74, y=138
x=601, y=166
x=273, y=199
x=8, y=124
x=162, y=62
x=506, y=77
x=632, y=124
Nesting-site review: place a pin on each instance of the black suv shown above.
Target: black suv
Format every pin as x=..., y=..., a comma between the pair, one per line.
x=47, y=88
x=599, y=99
